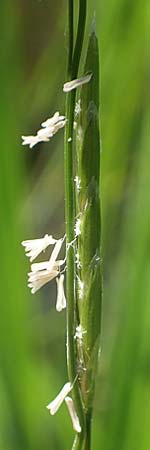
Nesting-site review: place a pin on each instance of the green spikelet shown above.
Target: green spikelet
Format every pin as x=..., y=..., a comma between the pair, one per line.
x=89, y=290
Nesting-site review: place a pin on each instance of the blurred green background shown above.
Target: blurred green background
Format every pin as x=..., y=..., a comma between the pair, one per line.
x=33, y=51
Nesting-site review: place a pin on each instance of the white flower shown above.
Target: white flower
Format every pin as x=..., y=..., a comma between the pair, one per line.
x=73, y=84
x=53, y=120
x=36, y=267
x=78, y=261
x=30, y=140
x=44, y=134
x=73, y=414
x=34, y=247
x=55, y=253
x=43, y=272
x=61, y=299
x=41, y=136
x=56, y=403
x=80, y=288
x=78, y=183
x=39, y=278
x=78, y=227
x=79, y=333
x=78, y=107
x=49, y=128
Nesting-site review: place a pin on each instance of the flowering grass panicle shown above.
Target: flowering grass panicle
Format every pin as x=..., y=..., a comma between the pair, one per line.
x=82, y=209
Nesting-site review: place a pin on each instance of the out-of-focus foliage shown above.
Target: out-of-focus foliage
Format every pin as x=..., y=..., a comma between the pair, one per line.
x=32, y=334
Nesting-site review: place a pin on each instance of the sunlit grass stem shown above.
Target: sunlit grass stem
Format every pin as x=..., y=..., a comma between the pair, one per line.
x=73, y=65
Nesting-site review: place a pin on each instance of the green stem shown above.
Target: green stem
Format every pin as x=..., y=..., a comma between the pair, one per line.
x=69, y=194
x=70, y=43
x=87, y=443
x=79, y=39
x=73, y=65
x=77, y=444
x=84, y=438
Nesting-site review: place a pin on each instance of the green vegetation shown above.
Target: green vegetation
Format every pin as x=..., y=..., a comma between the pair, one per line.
x=32, y=349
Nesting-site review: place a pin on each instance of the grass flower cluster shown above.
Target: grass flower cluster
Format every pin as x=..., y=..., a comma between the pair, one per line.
x=82, y=261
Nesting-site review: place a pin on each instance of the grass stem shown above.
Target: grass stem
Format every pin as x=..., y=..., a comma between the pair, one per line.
x=73, y=65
